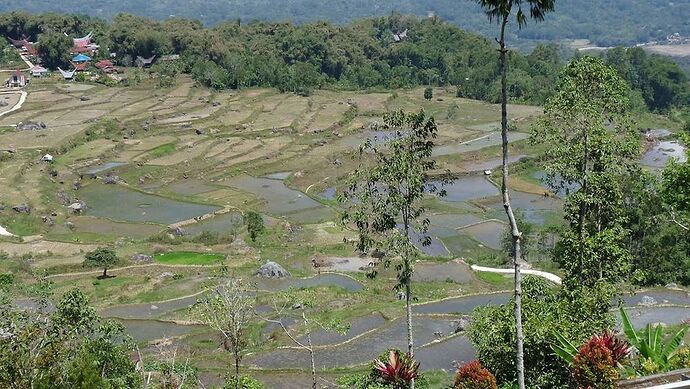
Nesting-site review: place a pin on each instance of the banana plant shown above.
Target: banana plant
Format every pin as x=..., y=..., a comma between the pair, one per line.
x=565, y=349
x=650, y=341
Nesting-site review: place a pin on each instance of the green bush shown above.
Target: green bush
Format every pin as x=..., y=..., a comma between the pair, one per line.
x=246, y=382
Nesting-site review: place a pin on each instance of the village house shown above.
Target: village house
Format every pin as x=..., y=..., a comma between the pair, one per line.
x=16, y=80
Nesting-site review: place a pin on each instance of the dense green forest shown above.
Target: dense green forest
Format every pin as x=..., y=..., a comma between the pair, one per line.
x=359, y=55
x=622, y=22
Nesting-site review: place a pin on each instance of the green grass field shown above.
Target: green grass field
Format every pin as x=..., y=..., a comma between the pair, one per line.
x=189, y=258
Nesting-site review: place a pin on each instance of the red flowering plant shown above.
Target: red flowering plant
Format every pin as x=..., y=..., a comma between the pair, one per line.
x=594, y=366
x=474, y=376
x=399, y=370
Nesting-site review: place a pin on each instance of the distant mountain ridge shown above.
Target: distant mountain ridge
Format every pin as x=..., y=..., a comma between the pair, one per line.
x=604, y=23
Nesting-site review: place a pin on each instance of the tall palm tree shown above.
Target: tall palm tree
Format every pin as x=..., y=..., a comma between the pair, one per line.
x=501, y=11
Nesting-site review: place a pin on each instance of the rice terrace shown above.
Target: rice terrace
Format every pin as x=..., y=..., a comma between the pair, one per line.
x=199, y=191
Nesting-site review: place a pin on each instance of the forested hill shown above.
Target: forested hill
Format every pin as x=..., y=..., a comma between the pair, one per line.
x=606, y=23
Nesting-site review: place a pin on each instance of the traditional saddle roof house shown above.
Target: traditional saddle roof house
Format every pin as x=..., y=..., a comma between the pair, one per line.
x=16, y=80
x=397, y=37
x=18, y=43
x=38, y=71
x=144, y=62
x=67, y=75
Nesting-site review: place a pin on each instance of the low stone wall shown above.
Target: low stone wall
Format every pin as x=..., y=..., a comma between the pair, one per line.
x=657, y=379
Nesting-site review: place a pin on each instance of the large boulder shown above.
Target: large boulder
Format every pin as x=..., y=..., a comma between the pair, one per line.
x=111, y=179
x=271, y=269
x=141, y=258
x=30, y=126
x=22, y=208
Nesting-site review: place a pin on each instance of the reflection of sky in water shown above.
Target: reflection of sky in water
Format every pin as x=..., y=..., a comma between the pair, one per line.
x=558, y=185
x=659, y=155
x=467, y=188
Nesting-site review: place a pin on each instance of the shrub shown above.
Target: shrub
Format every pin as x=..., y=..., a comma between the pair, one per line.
x=594, y=367
x=398, y=369
x=474, y=376
x=246, y=382
x=682, y=359
x=374, y=379
x=428, y=93
x=255, y=225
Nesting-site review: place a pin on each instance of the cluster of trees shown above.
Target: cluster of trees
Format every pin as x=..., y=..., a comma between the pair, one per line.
x=625, y=23
x=360, y=55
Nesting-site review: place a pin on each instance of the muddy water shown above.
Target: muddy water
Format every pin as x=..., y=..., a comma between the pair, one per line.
x=489, y=233
x=440, y=272
x=280, y=199
x=280, y=176
x=190, y=187
x=493, y=139
x=467, y=188
x=535, y=208
x=659, y=155
x=119, y=203
x=220, y=224
x=103, y=168
x=327, y=279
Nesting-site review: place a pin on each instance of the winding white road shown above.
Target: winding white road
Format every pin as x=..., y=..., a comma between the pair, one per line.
x=17, y=106
x=549, y=276
x=4, y=232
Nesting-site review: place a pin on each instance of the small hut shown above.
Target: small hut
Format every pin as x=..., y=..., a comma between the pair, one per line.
x=16, y=80
x=38, y=71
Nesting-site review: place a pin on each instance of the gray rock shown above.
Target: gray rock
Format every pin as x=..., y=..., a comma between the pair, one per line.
x=672, y=285
x=461, y=324
x=85, y=98
x=3, y=103
x=70, y=225
x=76, y=185
x=30, y=126
x=164, y=276
x=178, y=231
x=22, y=208
x=141, y=258
x=111, y=179
x=647, y=301
x=48, y=220
x=271, y=269
x=63, y=198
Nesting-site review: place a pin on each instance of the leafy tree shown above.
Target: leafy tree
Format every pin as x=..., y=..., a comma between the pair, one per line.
x=592, y=148
x=103, y=257
x=54, y=49
x=229, y=310
x=255, y=225
x=501, y=11
x=428, y=94
x=573, y=314
x=70, y=348
x=384, y=195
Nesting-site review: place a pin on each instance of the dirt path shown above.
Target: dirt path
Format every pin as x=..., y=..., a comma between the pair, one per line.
x=549, y=276
x=17, y=106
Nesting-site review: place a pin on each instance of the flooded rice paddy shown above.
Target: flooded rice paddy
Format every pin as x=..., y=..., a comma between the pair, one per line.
x=660, y=154
x=120, y=203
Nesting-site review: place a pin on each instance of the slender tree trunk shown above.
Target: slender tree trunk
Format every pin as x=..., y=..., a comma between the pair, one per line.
x=237, y=369
x=311, y=353
x=517, y=252
x=313, y=365
x=583, y=206
x=105, y=270
x=408, y=294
